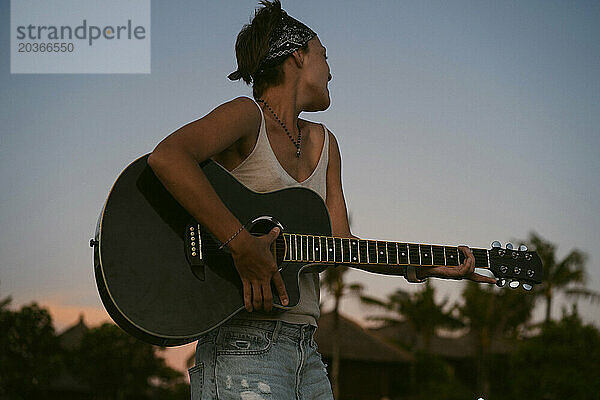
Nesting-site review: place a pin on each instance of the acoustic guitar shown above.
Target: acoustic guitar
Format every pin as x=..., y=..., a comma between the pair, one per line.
x=164, y=279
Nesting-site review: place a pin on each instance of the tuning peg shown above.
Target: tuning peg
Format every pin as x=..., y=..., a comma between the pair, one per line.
x=496, y=244
x=514, y=284
x=501, y=282
x=509, y=246
x=527, y=286
x=522, y=248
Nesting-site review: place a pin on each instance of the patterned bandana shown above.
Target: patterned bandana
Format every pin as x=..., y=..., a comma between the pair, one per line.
x=289, y=35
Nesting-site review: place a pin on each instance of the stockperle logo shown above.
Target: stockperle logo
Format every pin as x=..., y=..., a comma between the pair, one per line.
x=80, y=36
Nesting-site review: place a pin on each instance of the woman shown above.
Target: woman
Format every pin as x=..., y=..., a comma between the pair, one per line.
x=265, y=145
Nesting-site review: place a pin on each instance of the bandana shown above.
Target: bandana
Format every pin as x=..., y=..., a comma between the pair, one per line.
x=288, y=36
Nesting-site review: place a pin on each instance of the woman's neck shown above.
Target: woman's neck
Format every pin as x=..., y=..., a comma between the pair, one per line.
x=283, y=102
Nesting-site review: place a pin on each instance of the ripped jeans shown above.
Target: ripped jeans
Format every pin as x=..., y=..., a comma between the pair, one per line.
x=259, y=360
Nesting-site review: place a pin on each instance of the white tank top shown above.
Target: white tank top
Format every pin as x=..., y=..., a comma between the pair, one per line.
x=262, y=172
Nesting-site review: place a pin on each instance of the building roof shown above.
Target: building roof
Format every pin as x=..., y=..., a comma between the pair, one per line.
x=356, y=343
x=455, y=347
x=71, y=337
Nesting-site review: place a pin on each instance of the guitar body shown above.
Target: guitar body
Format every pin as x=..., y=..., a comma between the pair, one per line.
x=148, y=280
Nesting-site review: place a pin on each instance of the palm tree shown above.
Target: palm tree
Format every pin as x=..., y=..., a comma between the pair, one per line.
x=567, y=275
x=419, y=310
x=332, y=279
x=493, y=314
x=424, y=316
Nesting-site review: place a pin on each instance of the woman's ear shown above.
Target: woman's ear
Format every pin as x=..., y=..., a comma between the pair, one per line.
x=298, y=58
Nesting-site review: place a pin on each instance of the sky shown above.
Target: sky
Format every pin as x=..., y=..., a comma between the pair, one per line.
x=458, y=122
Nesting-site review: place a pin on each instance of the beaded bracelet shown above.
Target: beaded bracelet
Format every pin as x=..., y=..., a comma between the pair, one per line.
x=232, y=237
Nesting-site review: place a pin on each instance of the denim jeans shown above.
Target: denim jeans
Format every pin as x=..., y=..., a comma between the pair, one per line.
x=259, y=360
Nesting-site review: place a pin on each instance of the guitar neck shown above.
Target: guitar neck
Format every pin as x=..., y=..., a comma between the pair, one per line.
x=355, y=252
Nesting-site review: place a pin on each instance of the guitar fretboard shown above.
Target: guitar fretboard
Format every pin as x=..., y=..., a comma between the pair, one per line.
x=327, y=249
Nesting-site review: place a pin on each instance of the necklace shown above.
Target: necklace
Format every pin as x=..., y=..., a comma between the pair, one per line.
x=295, y=142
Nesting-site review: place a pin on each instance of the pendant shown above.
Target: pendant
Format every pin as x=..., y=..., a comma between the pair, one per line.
x=298, y=153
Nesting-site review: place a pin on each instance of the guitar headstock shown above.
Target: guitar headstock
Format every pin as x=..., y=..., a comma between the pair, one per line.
x=517, y=267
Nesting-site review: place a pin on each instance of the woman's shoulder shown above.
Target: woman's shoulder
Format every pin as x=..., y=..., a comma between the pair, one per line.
x=318, y=127
x=245, y=105
x=312, y=125
x=242, y=112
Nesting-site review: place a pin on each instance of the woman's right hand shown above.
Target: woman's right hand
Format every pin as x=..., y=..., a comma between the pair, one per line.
x=256, y=265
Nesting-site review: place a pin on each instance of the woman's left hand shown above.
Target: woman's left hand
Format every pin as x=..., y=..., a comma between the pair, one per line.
x=465, y=270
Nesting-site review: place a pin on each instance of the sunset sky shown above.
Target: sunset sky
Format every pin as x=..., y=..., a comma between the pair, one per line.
x=458, y=122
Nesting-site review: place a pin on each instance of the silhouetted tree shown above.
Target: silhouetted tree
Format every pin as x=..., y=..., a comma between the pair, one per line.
x=332, y=279
x=29, y=352
x=418, y=309
x=563, y=362
x=115, y=365
x=567, y=275
x=493, y=314
x=430, y=376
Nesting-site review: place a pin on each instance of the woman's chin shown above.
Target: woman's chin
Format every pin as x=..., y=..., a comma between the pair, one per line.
x=320, y=105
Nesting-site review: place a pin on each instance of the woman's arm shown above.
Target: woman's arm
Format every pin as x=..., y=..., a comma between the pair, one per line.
x=336, y=205
x=175, y=161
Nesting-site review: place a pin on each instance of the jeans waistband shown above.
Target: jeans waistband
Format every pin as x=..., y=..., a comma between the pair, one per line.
x=292, y=331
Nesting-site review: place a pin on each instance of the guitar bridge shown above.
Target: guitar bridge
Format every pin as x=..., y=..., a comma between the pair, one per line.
x=193, y=249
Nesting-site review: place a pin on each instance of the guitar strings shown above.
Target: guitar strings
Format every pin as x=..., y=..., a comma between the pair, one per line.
x=436, y=253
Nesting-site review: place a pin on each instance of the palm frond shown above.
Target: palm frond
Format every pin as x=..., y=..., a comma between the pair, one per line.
x=388, y=321
x=356, y=288
x=5, y=302
x=372, y=301
x=581, y=292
